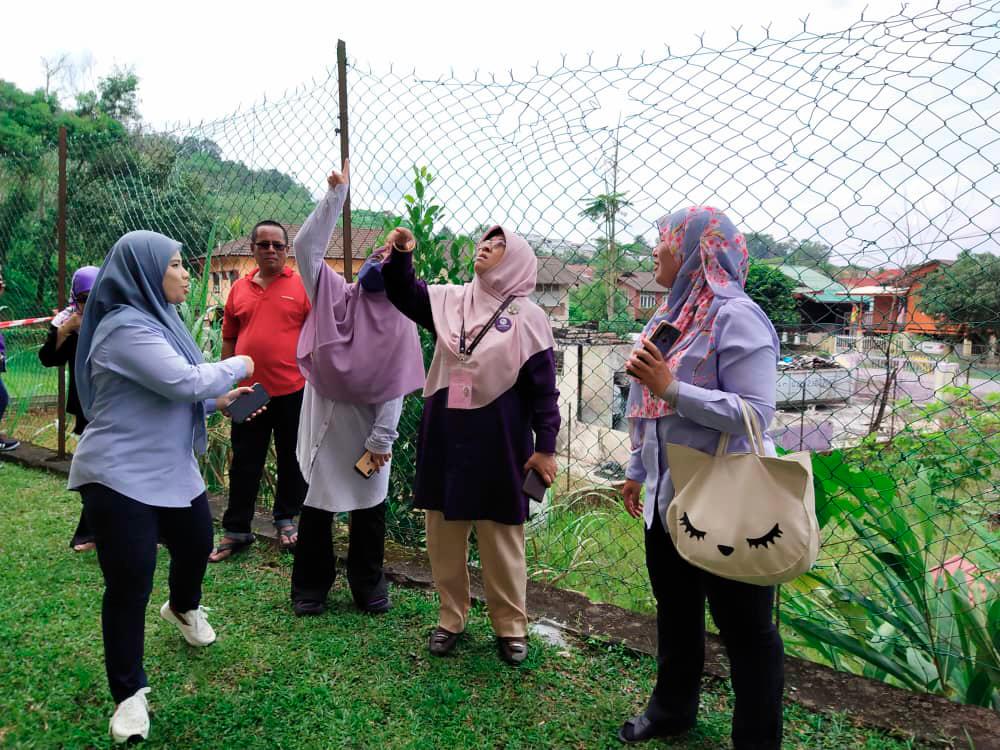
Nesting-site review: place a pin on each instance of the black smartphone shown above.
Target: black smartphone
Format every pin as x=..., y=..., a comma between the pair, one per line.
x=534, y=486
x=664, y=336
x=248, y=403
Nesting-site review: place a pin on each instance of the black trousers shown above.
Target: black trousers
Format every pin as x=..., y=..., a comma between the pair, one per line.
x=742, y=613
x=315, y=566
x=126, y=532
x=250, y=441
x=83, y=534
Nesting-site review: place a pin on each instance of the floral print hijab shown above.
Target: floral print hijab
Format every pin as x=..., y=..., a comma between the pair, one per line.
x=713, y=270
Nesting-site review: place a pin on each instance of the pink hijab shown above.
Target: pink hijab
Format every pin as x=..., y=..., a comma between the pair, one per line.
x=520, y=332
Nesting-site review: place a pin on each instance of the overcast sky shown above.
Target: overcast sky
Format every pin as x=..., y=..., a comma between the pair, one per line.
x=201, y=61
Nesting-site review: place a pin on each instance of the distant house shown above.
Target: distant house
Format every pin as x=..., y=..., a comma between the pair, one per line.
x=642, y=294
x=823, y=304
x=584, y=273
x=234, y=259
x=552, y=287
x=548, y=246
x=893, y=301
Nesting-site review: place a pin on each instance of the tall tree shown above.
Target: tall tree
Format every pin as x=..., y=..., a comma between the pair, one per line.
x=603, y=209
x=965, y=293
x=774, y=292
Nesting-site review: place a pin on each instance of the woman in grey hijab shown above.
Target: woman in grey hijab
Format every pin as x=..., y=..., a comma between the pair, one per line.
x=145, y=388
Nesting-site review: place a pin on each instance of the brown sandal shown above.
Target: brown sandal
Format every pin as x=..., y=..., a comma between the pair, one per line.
x=232, y=548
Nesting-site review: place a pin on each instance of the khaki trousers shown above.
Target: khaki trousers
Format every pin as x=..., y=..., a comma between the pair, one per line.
x=505, y=573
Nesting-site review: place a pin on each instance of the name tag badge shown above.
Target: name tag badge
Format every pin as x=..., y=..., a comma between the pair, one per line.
x=460, y=388
x=503, y=324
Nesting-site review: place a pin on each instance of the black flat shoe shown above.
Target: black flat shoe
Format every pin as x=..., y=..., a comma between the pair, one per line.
x=378, y=606
x=513, y=650
x=442, y=642
x=307, y=607
x=641, y=729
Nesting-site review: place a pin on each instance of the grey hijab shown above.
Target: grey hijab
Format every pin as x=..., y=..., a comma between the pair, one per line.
x=129, y=291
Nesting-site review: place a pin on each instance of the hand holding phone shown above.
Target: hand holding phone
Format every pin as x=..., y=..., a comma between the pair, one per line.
x=370, y=463
x=246, y=405
x=664, y=336
x=534, y=486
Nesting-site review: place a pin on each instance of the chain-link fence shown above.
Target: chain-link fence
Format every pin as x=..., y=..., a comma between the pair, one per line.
x=861, y=166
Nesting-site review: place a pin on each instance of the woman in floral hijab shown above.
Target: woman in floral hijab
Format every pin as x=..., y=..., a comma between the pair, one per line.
x=726, y=352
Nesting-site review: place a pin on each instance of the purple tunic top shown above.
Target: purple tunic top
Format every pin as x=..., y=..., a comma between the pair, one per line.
x=470, y=462
x=746, y=369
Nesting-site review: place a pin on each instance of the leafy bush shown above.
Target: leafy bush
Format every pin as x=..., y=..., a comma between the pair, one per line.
x=919, y=626
x=440, y=257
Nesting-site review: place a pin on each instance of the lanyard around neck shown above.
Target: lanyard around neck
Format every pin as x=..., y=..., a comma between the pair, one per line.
x=463, y=353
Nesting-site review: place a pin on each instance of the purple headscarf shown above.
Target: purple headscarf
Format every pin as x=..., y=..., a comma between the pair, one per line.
x=355, y=346
x=714, y=266
x=83, y=282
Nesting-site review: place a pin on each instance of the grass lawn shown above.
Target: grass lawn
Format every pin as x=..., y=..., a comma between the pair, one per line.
x=343, y=680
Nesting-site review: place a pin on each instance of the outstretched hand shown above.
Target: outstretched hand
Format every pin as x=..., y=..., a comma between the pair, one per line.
x=340, y=178
x=223, y=402
x=401, y=239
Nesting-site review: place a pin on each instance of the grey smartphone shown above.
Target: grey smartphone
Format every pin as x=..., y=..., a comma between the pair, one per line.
x=248, y=403
x=534, y=486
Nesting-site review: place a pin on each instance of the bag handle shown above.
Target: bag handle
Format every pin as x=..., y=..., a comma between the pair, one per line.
x=754, y=434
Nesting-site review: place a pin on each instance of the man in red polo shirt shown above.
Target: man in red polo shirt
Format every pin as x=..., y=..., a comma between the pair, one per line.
x=263, y=316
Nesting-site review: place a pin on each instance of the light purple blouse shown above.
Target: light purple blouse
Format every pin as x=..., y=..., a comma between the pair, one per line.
x=747, y=369
x=140, y=441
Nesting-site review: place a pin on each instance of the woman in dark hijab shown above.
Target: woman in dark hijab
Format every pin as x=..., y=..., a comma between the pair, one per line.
x=145, y=390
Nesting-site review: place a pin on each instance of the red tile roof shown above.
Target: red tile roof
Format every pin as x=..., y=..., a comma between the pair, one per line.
x=363, y=239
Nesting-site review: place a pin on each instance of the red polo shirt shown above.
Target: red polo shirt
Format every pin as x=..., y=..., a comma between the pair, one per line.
x=266, y=325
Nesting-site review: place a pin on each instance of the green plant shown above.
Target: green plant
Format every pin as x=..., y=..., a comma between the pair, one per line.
x=206, y=329
x=441, y=257
x=774, y=292
x=919, y=627
x=195, y=311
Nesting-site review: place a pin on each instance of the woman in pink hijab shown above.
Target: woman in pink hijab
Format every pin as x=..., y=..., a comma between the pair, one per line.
x=491, y=414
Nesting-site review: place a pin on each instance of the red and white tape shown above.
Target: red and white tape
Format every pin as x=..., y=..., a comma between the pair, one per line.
x=23, y=322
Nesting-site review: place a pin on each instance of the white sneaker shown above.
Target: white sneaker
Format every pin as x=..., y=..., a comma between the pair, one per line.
x=130, y=722
x=195, y=630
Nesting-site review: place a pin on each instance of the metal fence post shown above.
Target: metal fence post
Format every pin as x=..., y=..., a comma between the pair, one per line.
x=344, y=154
x=61, y=288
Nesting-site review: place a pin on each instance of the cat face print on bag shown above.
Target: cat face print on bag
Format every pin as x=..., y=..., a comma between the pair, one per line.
x=733, y=519
x=736, y=547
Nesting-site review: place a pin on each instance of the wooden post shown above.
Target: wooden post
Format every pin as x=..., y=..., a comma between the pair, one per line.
x=344, y=154
x=61, y=282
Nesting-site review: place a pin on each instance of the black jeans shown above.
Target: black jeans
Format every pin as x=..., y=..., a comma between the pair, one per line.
x=250, y=441
x=315, y=566
x=126, y=532
x=742, y=613
x=4, y=398
x=83, y=534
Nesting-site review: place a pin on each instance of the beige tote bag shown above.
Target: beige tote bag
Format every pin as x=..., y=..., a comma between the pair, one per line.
x=744, y=516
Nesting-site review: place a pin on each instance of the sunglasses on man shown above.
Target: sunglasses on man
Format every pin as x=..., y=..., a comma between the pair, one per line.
x=266, y=244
